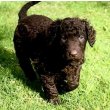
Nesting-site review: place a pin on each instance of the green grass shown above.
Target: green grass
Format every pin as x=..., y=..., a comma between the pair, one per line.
x=16, y=93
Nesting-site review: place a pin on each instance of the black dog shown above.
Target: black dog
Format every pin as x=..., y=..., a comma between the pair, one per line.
x=56, y=48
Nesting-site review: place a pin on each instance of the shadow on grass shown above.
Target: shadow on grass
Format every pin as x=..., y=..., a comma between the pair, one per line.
x=8, y=60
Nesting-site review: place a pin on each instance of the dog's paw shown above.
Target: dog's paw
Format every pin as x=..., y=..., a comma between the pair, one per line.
x=55, y=101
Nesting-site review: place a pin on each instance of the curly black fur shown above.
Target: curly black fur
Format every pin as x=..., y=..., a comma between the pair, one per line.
x=55, y=48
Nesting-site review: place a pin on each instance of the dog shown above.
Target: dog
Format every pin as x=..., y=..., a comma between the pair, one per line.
x=53, y=49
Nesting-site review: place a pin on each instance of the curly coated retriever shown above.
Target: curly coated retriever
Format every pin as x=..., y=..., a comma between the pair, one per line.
x=53, y=49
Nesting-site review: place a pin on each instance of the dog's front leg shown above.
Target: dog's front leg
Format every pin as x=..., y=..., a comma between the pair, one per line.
x=72, y=78
x=50, y=89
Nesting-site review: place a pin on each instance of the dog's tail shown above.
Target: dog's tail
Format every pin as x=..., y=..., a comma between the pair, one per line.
x=23, y=12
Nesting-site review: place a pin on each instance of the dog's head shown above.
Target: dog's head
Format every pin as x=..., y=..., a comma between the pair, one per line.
x=70, y=36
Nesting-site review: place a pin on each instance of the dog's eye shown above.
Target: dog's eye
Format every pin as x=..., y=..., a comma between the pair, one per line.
x=81, y=38
x=64, y=38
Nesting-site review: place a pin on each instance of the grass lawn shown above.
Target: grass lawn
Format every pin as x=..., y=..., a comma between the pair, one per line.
x=93, y=93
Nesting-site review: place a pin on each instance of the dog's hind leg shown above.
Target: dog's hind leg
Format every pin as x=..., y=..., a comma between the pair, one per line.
x=27, y=67
x=24, y=60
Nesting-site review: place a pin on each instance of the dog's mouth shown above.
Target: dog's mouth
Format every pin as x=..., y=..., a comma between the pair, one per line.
x=71, y=60
x=75, y=62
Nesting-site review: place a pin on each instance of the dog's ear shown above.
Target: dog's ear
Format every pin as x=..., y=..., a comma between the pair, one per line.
x=54, y=31
x=23, y=29
x=91, y=33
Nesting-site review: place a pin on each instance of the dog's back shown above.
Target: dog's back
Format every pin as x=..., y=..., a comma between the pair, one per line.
x=30, y=31
x=32, y=23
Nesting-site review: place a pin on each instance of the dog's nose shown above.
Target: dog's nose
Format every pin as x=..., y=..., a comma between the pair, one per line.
x=74, y=53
